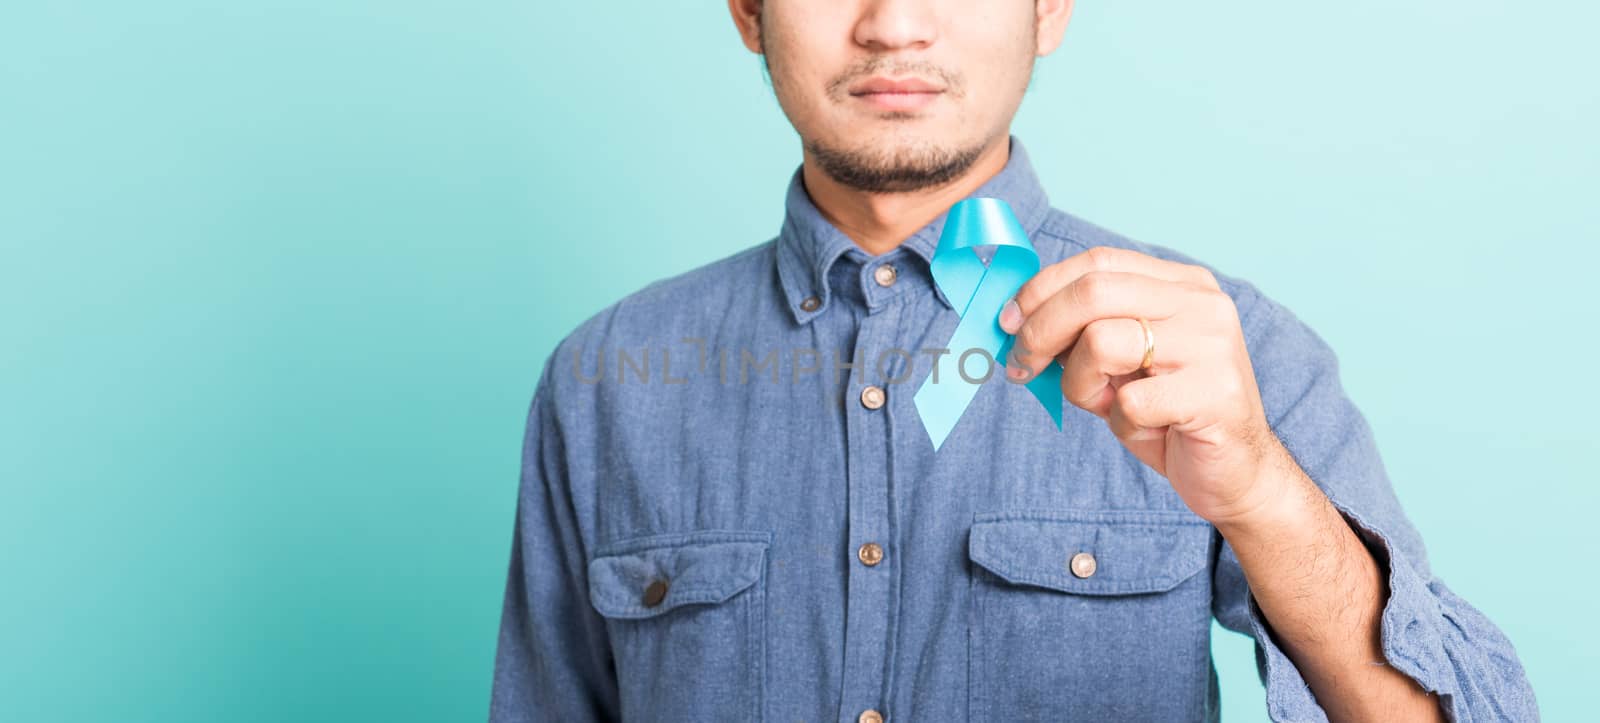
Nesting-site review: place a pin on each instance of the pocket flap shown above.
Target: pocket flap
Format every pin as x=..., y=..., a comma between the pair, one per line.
x=698, y=567
x=1135, y=551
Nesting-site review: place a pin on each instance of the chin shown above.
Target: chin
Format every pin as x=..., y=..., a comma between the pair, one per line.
x=890, y=135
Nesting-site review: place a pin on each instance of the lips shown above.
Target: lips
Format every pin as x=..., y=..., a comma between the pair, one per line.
x=897, y=96
x=888, y=85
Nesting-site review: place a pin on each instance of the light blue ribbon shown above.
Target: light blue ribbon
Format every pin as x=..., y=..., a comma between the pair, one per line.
x=978, y=291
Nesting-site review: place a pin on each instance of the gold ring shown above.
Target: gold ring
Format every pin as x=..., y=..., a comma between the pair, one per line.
x=1149, y=345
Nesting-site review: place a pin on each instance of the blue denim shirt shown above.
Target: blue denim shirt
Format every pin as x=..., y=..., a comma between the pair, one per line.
x=716, y=524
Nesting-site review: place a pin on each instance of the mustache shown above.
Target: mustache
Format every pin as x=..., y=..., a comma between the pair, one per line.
x=881, y=65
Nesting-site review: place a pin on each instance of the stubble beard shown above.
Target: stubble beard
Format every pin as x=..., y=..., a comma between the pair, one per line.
x=901, y=170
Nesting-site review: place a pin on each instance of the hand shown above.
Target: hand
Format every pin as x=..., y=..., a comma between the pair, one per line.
x=1195, y=415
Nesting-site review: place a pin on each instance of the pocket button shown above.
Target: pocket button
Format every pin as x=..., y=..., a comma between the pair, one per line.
x=1083, y=564
x=655, y=593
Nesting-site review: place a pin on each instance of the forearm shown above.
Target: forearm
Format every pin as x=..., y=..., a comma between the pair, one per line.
x=1323, y=595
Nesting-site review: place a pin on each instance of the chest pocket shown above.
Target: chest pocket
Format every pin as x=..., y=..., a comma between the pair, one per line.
x=1099, y=614
x=686, y=617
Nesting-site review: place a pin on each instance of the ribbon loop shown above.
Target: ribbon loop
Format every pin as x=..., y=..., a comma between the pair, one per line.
x=979, y=290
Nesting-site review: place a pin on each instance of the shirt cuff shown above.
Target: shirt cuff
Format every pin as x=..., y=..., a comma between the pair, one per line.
x=1410, y=639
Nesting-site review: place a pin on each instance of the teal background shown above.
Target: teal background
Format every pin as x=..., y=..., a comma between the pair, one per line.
x=276, y=281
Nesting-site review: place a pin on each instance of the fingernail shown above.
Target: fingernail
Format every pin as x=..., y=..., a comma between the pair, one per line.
x=1011, y=317
x=1017, y=373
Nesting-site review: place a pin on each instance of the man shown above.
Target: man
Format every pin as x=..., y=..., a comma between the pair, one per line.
x=732, y=509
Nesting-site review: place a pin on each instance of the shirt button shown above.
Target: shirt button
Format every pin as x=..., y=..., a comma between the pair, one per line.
x=869, y=716
x=870, y=554
x=884, y=275
x=810, y=303
x=655, y=593
x=873, y=397
x=1083, y=564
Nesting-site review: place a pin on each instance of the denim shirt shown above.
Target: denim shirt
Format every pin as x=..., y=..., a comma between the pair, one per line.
x=729, y=510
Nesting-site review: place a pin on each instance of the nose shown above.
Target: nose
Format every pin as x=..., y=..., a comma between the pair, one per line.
x=896, y=24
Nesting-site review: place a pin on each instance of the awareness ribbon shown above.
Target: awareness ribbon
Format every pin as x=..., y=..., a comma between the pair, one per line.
x=979, y=291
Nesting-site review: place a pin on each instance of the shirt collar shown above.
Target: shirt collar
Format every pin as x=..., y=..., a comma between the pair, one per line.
x=808, y=243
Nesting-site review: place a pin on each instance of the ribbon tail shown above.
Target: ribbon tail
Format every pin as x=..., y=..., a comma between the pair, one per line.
x=941, y=403
x=1045, y=386
x=940, y=407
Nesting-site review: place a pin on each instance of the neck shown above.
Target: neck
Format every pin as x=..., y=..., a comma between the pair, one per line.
x=880, y=222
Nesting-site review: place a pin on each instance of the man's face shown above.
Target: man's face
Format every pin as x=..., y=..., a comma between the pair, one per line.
x=897, y=96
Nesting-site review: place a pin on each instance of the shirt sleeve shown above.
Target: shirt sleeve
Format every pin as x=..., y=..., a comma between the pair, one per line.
x=553, y=659
x=1428, y=632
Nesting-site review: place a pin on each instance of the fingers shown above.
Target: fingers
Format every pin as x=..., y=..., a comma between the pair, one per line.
x=1053, y=278
x=1109, y=355
x=1055, y=324
x=1107, y=351
x=1144, y=408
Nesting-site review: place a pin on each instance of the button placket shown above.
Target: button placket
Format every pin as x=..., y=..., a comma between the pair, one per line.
x=869, y=608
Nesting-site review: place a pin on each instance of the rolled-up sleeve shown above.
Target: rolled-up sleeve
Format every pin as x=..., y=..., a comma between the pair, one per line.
x=553, y=660
x=1428, y=632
